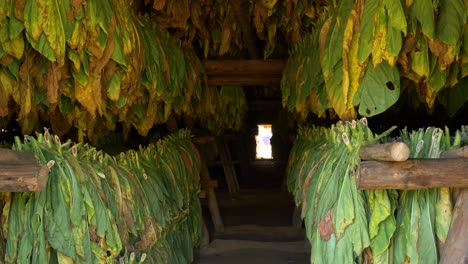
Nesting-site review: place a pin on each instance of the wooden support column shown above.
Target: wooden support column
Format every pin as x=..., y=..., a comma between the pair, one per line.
x=229, y=171
x=455, y=249
x=211, y=197
x=20, y=172
x=205, y=240
x=208, y=184
x=456, y=246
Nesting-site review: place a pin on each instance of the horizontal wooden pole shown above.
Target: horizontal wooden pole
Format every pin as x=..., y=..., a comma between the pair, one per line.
x=455, y=153
x=203, y=140
x=244, y=80
x=413, y=174
x=202, y=194
x=20, y=172
x=244, y=67
x=395, y=151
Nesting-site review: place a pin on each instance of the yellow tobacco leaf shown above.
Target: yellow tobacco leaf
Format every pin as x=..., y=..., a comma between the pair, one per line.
x=85, y=95
x=27, y=123
x=53, y=29
x=349, y=41
x=323, y=36
x=5, y=82
x=225, y=38
x=420, y=59
x=33, y=19
x=268, y=3
x=78, y=37
x=147, y=123
x=380, y=41
x=159, y=4
x=430, y=96
x=26, y=98
x=444, y=52
x=14, y=47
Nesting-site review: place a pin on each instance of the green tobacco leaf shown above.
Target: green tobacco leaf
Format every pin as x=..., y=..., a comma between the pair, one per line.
x=397, y=19
x=452, y=19
x=65, y=105
x=343, y=251
x=344, y=210
x=380, y=209
x=379, y=89
x=414, y=230
x=394, y=41
x=427, y=238
x=358, y=231
x=367, y=29
x=424, y=13
x=382, y=224
x=420, y=62
x=438, y=78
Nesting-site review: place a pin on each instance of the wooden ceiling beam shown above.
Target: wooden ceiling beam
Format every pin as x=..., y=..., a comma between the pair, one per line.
x=244, y=80
x=244, y=72
x=244, y=67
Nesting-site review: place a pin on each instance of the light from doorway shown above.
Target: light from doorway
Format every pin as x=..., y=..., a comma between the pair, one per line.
x=263, y=140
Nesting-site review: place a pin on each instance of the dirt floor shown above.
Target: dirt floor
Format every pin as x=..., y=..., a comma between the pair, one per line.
x=258, y=229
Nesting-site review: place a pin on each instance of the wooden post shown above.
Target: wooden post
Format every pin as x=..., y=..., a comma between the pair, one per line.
x=211, y=197
x=455, y=153
x=20, y=172
x=229, y=171
x=205, y=240
x=209, y=185
x=456, y=246
x=395, y=151
x=413, y=174
x=455, y=249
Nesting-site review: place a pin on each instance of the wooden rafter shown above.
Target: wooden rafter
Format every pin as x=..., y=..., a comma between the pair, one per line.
x=244, y=72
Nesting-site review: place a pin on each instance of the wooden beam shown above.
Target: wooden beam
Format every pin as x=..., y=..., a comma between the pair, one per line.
x=244, y=80
x=202, y=140
x=243, y=67
x=229, y=171
x=395, y=151
x=413, y=174
x=455, y=153
x=20, y=172
x=211, y=196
